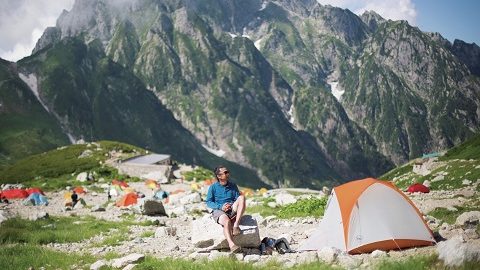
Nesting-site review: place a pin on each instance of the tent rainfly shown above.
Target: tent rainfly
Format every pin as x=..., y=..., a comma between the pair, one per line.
x=364, y=215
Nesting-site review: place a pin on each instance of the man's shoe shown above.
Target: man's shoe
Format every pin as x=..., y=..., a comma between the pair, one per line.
x=235, y=249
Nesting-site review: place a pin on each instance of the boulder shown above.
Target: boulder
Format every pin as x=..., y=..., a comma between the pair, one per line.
x=328, y=254
x=82, y=177
x=470, y=234
x=166, y=231
x=215, y=254
x=191, y=198
x=468, y=219
x=3, y=216
x=207, y=233
x=251, y=258
x=285, y=198
x=98, y=208
x=455, y=251
x=153, y=208
x=129, y=259
x=98, y=264
x=177, y=211
x=307, y=257
x=272, y=204
x=349, y=261
x=129, y=266
x=174, y=199
x=38, y=215
x=378, y=253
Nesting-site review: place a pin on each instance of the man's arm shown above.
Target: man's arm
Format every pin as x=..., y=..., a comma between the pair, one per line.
x=211, y=199
x=236, y=192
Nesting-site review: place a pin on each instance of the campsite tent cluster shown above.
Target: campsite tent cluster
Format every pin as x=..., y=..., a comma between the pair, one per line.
x=360, y=216
x=30, y=196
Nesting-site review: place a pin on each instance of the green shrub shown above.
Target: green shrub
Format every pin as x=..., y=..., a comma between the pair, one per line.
x=302, y=208
x=311, y=207
x=199, y=174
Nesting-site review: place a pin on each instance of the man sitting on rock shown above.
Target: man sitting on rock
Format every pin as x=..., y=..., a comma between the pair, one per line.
x=228, y=205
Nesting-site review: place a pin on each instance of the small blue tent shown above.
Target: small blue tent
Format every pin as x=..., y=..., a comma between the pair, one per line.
x=36, y=199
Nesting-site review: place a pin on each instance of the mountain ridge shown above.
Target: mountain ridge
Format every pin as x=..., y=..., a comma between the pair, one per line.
x=255, y=80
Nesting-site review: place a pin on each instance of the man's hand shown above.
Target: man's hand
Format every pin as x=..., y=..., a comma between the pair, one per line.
x=226, y=207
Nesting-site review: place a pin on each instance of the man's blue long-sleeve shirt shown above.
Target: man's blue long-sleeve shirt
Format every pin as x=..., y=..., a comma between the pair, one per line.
x=218, y=195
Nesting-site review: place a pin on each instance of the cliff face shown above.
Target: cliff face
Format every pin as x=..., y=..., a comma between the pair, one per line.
x=301, y=93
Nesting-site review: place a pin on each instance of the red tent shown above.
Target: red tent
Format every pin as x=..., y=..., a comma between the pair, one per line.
x=418, y=188
x=14, y=194
x=119, y=183
x=127, y=199
x=79, y=190
x=34, y=190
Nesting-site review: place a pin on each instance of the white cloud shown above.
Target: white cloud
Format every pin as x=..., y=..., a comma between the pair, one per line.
x=388, y=9
x=22, y=23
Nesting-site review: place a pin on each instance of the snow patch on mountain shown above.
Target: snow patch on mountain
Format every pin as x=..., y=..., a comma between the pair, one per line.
x=31, y=81
x=292, y=117
x=257, y=43
x=337, y=92
x=218, y=153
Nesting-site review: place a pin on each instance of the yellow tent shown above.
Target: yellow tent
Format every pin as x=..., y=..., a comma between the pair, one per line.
x=262, y=191
x=67, y=196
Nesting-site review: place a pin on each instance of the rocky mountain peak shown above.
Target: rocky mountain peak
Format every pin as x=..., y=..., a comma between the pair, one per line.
x=372, y=19
x=468, y=53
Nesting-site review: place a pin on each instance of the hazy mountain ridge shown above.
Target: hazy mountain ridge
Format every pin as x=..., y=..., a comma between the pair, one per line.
x=254, y=79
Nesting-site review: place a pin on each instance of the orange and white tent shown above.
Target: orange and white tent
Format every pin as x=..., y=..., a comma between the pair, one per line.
x=127, y=199
x=364, y=215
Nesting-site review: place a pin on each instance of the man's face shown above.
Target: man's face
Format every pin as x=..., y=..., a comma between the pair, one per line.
x=223, y=174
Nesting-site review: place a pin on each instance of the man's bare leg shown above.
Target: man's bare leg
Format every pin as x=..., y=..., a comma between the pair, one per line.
x=227, y=229
x=239, y=207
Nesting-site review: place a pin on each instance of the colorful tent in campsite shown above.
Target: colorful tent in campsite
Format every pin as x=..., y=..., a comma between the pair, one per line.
x=127, y=199
x=122, y=184
x=36, y=199
x=151, y=184
x=14, y=193
x=369, y=214
x=418, y=188
x=79, y=190
x=34, y=190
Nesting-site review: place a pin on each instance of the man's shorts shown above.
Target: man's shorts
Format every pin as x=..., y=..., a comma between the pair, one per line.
x=218, y=213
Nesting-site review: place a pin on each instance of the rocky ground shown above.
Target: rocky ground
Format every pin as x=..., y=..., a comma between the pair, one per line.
x=172, y=236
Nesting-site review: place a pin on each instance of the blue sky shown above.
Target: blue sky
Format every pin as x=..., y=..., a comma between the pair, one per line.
x=453, y=19
x=458, y=19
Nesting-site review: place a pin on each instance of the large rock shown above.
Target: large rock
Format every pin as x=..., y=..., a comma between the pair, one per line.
x=455, y=251
x=328, y=254
x=38, y=215
x=82, y=177
x=3, y=216
x=153, y=208
x=285, y=198
x=207, y=233
x=129, y=259
x=98, y=265
x=191, y=198
x=468, y=219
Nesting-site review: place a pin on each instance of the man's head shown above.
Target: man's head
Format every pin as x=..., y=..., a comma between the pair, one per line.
x=221, y=173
